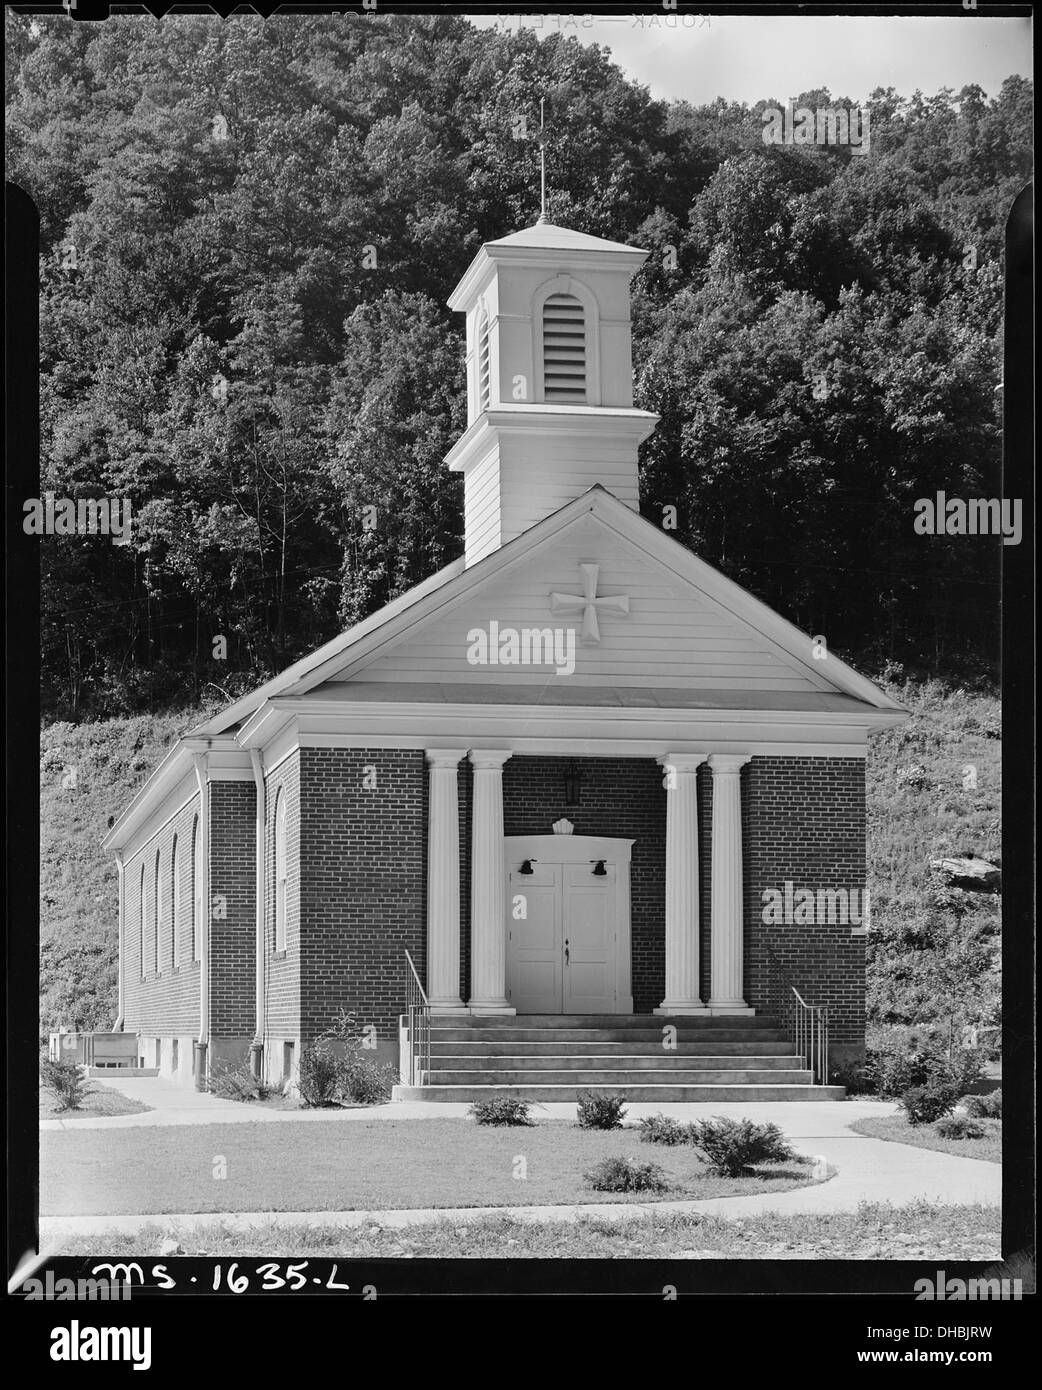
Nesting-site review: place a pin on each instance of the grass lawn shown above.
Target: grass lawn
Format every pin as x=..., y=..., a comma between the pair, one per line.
x=98, y=1100
x=874, y=1232
x=358, y=1165
x=897, y=1130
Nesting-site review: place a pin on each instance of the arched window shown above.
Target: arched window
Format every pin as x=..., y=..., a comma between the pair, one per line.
x=280, y=872
x=175, y=906
x=484, y=364
x=157, y=910
x=197, y=888
x=141, y=920
x=564, y=350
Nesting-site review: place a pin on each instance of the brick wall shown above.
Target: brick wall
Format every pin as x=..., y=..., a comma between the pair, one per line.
x=620, y=797
x=804, y=820
x=164, y=1004
x=363, y=858
x=233, y=892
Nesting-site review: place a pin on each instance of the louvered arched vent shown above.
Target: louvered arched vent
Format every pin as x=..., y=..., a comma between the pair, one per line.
x=564, y=350
x=484, y=366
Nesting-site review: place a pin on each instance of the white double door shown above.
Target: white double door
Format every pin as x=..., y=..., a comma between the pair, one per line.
x=568, y=929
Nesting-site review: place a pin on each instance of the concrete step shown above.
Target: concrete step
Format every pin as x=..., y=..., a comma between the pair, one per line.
x=616, y=1076
x=682, y=1022
x=578, y=1035
x=668, y=1061
x=652, y=1094
x=717, y=1047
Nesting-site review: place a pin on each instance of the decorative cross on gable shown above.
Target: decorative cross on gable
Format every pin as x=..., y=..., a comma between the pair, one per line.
x=589, y=603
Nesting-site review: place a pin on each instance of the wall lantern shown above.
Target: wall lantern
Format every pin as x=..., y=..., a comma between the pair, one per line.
x=526, y=867
x=599, y=870
x=572, y=785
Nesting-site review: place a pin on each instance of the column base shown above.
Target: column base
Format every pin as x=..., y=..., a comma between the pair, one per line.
x=454, y=1006
x=738, y=1007
x=490, y=1007
x=683, y=1007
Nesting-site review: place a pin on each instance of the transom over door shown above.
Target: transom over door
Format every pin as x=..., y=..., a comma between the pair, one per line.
x=567, y=929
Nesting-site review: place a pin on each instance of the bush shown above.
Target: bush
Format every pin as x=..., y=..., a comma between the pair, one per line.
x=898, y=1065
x=318, y=1075
x=239, y=1083
x=984, y=1107
x=856, y=1077
x=66, y=1081
x=334, y=1069
x=924, y=1104
x=660, y=1129
x=734, y=1146
x=501, y=1111
x=622, y=1175
x=599, y=1111
x=364, y=1081
x=960, y=1127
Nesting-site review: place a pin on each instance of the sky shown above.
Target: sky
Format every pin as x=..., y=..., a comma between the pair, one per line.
x=748, y=58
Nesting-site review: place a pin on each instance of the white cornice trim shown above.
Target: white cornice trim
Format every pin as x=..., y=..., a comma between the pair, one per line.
x=539, y=420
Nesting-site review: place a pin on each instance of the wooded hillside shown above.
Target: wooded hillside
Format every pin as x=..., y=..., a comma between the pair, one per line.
x=248, y=230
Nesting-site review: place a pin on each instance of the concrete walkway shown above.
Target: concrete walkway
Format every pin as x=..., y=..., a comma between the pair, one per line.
x=866, y=1170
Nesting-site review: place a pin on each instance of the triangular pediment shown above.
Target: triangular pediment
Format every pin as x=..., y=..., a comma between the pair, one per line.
x=664, y=621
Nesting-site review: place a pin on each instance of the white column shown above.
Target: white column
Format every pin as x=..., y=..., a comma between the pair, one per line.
x=728, y=996
x=443, y=881
x=488, y=894
x=683, y=947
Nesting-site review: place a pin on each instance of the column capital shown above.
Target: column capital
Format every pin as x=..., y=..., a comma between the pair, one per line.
x=723, y=763
x=489, y=759
x=682, y=762
x=444, y=757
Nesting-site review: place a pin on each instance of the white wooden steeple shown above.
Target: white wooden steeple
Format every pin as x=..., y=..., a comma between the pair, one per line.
x=549, y=380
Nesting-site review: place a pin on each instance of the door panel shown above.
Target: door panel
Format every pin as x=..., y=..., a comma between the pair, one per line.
x=535, y=964
x=589, y=928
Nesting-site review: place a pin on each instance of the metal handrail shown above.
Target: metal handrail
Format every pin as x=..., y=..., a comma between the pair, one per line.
x=808, y=1024
x=417, y=1026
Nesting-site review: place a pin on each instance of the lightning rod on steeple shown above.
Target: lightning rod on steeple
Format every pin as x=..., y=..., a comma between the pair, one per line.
x=542, y=166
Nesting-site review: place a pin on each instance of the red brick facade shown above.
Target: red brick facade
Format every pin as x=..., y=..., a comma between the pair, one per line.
x=356, y=888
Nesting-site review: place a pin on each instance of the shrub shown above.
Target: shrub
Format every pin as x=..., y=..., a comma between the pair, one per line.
x=66, y=1081
x=856, y=1077
x=501, y=1111
x=960, y=1127
x=334, y=1069
x=318, y=1075
x=660, y=1129
x=600, y=1111
x=924, y=1104
x=623, y=1175
x=897, y=1065
x=364, y=1081
x=239, y=1083
x=984, y=1107
x=733, y=1146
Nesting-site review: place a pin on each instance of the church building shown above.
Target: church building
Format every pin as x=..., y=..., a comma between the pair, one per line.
x=577, y=810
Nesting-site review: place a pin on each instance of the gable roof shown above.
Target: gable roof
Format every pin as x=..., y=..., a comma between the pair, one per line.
x=362, y=643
